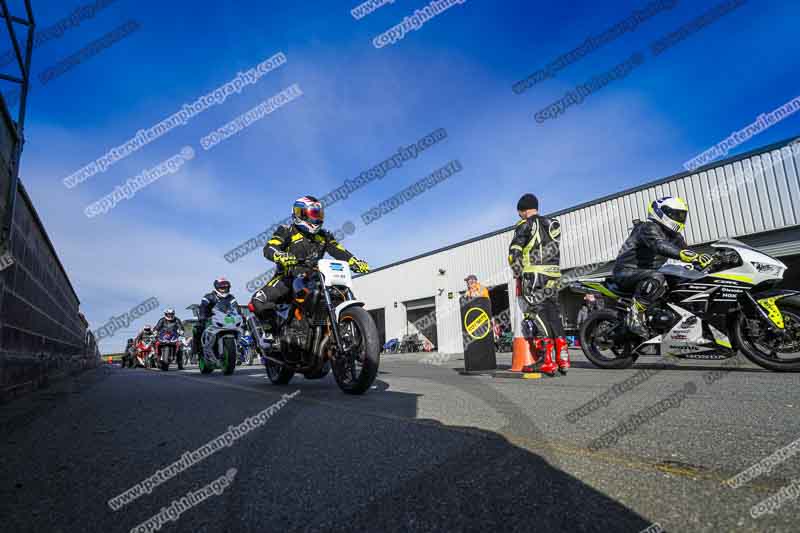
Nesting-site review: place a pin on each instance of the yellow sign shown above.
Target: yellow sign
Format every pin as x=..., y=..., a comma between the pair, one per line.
x=474, y=319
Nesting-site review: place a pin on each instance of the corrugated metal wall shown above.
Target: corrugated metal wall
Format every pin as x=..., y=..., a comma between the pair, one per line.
x=754, y=194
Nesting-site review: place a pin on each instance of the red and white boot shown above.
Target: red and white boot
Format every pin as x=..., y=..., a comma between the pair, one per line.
x=543, y=361
x=537, y=348
x=562, y=355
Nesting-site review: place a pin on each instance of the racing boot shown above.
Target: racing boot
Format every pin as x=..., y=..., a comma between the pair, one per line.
x=562, y=355
x=544, y=359
x=537, y=348
x=636, y=320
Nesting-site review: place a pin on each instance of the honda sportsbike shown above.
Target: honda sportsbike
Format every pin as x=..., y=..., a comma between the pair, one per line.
x=323, y=328
x=732, y=305
x=144, y=353
x=169, y=349
x=220, y=340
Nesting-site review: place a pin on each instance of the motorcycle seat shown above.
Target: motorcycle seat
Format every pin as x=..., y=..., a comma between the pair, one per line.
x=616, y=289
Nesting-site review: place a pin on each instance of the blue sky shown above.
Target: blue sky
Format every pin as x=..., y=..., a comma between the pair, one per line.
x=359, y=104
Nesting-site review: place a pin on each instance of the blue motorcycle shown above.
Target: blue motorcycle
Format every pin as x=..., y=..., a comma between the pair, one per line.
x=247, y=352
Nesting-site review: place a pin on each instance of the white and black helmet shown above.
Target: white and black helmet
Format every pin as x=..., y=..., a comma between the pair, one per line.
x=222, y=287
x=169, y=313
x=670, y=212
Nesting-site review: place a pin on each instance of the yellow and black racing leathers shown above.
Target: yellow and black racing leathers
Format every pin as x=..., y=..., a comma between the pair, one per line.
x=286, y=248
x=534, y=256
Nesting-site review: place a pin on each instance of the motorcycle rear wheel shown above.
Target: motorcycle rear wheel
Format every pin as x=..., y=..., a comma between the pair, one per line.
x=356, y=370
x=593, y=341
x=765, y=352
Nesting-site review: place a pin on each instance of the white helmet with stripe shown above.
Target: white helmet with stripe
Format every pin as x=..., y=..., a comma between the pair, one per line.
x=670, y=212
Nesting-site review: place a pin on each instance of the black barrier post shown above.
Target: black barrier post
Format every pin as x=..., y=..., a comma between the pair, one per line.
x=476, y=329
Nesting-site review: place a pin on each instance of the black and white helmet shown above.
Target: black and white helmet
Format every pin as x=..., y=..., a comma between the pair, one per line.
x=169, y=313
x=222, y=287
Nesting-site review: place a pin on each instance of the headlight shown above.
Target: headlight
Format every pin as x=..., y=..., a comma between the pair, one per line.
x=770, y=270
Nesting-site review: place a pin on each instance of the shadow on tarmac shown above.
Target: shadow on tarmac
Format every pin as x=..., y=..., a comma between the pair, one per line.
x=441, y=477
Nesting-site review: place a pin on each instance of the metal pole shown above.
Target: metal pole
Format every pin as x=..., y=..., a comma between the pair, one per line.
x=6, y=233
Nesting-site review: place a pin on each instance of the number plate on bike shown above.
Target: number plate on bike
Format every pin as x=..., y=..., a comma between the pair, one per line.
x=335, y=272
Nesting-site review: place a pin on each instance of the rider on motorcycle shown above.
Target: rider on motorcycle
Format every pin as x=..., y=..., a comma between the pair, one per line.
x=146, y=332
x=221, y=292
x=303, y=238
x=648, y=247
x=169, y=323
x=534, y=256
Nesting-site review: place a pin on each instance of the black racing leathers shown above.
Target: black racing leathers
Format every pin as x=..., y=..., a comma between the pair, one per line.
x=534, y=256
x=164, y=324
x=647, y=248
x=301, y=245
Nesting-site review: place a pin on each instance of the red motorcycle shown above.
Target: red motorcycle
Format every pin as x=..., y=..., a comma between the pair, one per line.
x=145, y=350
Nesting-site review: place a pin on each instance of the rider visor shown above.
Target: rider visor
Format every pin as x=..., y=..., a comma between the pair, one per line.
x=678, y=215
x=315, y=214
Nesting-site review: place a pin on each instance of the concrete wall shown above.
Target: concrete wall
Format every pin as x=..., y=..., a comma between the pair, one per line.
x=41, y=329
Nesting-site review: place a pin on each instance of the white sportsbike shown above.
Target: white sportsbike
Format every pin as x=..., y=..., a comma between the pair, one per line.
x=732, y=305
x=220, y=339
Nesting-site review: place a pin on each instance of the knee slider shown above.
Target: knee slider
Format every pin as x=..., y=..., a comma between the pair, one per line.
x=654, y=287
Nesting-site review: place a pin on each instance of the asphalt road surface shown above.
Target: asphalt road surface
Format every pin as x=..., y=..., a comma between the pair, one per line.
x=428, y=449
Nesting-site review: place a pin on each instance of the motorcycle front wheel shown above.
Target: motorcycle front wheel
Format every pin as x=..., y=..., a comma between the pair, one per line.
x=278, y=374
x=164, y=364
x=599, y=344
x=229, y=355
x=780, y=353
x=204, y=368
x=356, y=364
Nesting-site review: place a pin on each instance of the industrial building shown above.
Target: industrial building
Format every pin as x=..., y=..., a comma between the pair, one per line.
x=754, y=197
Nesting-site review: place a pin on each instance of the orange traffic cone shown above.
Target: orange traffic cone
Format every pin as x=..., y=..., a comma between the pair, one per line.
x=521, y=354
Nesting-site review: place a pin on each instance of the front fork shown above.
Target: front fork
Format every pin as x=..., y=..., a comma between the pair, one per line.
x=762, y=307
x=334, y=323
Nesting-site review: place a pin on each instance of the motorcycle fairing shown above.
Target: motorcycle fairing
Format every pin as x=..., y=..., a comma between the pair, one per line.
x=224, y=320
